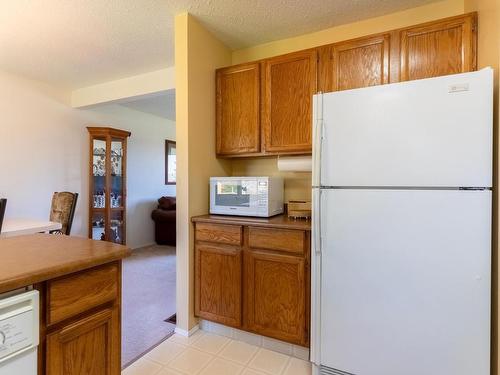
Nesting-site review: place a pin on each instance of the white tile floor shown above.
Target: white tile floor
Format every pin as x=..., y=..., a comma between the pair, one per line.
x=209, y=354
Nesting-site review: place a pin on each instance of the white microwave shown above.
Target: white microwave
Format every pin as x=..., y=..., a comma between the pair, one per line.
x=246, y=196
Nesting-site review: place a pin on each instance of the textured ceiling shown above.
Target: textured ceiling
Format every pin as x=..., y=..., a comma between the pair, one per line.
x=162, y=105
x=76, y=43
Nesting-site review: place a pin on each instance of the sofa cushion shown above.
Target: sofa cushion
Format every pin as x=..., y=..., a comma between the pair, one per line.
x=166, y=203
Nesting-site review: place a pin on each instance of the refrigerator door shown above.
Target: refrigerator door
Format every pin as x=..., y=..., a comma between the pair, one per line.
x=405, y=282
x=430, y=132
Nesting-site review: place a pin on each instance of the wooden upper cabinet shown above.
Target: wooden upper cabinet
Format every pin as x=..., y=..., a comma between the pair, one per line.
x=356, y=63
x=238, y=109
x=265, y=107
x=289, y=83
x=439, y=48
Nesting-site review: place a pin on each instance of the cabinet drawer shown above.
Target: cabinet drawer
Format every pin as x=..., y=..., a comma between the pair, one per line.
x=288, y=240
x=219, y=233
x=74, y=294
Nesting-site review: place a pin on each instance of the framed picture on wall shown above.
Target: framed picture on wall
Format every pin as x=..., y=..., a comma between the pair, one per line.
x=170, y=163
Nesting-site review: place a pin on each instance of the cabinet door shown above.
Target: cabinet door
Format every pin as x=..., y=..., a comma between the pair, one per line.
x=290, y=81
x=275, y=287
x=354, y=64
x=439, y=48
x=218, y=284
x=89, y=346
x=238, y=109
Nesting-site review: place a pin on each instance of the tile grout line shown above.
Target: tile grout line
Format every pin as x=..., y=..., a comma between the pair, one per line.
x=286, y=365
x=245, y=365
x=171, y=359
x=216, y=356
x=197, y=372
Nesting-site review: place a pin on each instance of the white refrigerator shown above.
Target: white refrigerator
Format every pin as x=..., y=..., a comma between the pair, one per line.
x=401, y=257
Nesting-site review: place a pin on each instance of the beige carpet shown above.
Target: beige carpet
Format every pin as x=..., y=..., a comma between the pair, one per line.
x=148, y=296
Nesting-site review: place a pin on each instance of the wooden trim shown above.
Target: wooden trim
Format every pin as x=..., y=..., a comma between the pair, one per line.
x=279, y=221
x=102, y=131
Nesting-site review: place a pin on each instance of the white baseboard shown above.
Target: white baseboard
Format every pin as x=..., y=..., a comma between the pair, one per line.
x=256, y=340
x=185, y=333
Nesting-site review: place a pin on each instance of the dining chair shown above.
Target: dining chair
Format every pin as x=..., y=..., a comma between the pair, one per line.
x=63, y=211
x=3, y=205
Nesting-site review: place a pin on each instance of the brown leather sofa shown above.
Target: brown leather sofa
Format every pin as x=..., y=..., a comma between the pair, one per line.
x=164, y=218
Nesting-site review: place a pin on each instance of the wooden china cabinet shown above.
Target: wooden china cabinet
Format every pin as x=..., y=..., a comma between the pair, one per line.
x=108, y=187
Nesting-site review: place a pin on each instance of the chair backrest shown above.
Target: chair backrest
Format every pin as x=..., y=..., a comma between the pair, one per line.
x=63, y=209
x=3, y=205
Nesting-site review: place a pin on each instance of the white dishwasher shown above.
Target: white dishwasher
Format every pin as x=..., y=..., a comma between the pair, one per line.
x=19, y=333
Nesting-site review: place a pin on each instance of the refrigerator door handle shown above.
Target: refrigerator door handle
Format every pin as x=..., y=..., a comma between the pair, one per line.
x=315, y=353
x=318, y=130
x=316, y=223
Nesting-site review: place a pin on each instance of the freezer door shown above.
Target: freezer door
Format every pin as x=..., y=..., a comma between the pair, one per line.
x=405, y=282
x=431, y=132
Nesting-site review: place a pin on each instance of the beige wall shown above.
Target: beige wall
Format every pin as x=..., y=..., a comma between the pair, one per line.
x=489, y=55
x=197, y=55
x=298, y=185
x=44, y=148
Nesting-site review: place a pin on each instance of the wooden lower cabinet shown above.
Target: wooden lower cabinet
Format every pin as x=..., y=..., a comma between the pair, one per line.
x=218, y=284
x=87, y=346
x=261, y=286
x=275, y=302
x=80, y=323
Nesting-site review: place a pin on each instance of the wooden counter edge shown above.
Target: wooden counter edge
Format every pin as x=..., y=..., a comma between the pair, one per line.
x=23, y=280
x=279, y=221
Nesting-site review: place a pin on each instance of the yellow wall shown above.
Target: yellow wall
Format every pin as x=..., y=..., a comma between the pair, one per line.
x=298, y=185
x=489, y=55
x=391, y=21
x=197, y=55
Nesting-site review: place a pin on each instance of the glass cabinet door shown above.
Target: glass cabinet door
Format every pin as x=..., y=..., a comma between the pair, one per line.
x=99, y=173
x=98, y=226
x=116, y=194
x=107, y=206
x=116, y=227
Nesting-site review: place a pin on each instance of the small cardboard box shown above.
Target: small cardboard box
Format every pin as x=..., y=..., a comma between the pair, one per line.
x=299, y=209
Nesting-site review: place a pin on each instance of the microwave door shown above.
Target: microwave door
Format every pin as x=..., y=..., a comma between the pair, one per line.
x=235, y=197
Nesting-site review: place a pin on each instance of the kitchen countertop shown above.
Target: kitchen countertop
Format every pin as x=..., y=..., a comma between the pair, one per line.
x=31, y=259
x=19, y=227
x=279, y=221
